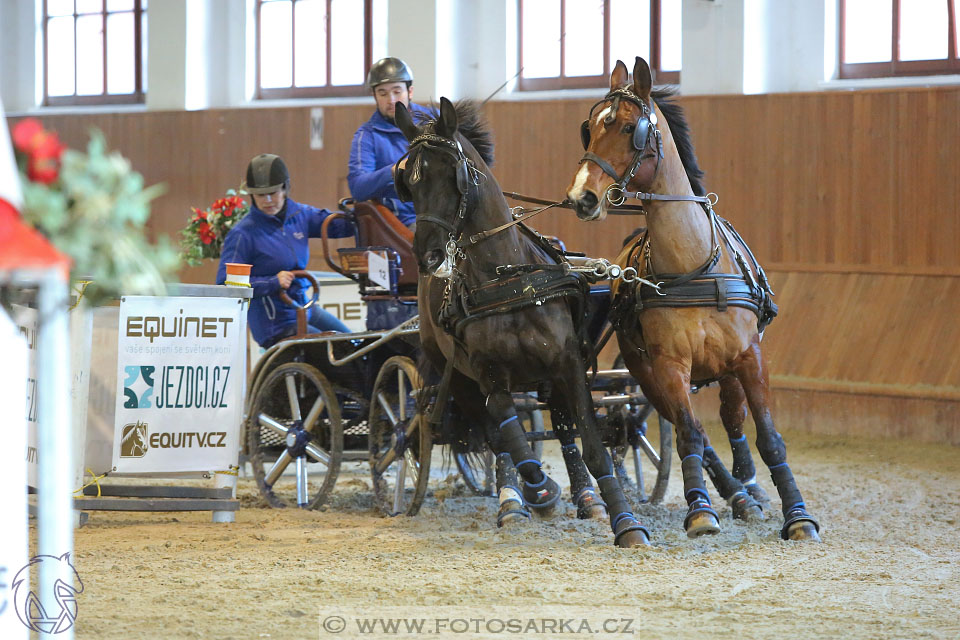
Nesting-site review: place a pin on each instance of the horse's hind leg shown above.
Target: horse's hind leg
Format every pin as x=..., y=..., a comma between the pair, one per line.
x=733, y=412
x=798, y=524
x=627, y=530
x=589, y=504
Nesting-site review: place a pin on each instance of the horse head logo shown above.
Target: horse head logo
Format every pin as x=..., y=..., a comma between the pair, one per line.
x=50, y=612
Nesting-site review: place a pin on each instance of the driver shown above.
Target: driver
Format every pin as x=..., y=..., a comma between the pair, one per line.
x=274, y=238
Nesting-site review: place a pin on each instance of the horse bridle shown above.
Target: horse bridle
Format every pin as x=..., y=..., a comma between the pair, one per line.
x=468, y=177
x=645, y=131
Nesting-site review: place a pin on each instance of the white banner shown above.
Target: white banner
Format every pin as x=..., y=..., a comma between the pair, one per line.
x=26, y=321
x=13, y=499
x=181, y=366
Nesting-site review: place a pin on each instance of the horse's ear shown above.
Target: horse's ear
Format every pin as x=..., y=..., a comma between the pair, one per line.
x=405, y=122
x=447, y=122
x=642, y=80
x=619, y=76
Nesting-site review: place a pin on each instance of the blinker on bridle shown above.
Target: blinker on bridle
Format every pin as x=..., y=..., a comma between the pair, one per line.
x=468, y=177
x=645, y=129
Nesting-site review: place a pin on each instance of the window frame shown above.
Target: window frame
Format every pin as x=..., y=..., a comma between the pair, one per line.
x=137, y=97
x=324, y=91
x=896, y=67
x=591, y=82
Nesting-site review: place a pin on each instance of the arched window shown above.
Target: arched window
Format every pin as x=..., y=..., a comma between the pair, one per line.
x=313, y=48
x=567, y=44
x=95, y=51
x=880, y=38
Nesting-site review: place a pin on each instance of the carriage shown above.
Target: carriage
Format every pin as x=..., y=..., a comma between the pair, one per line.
x=315, y=401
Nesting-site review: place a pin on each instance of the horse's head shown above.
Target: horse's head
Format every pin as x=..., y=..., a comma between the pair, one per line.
x=623, y=146
x=442, y=179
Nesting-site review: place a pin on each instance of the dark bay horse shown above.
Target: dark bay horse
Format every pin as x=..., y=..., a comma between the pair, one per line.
x=705, y=321
x=494, y=331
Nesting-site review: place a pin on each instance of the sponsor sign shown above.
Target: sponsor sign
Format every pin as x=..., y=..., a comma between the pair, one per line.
x=181, y=366
x=25, y=319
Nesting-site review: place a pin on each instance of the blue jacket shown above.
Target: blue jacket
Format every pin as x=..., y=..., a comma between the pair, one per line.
x=377, y=145
x=271, y=247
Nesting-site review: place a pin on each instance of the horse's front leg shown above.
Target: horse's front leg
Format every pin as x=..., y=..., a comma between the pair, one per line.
x=671, y=380
x=626, y=528
x=798, y=523
x=539, y=491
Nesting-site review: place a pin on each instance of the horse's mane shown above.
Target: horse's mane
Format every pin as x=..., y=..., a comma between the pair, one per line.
x=677, y=122
x=471, y=123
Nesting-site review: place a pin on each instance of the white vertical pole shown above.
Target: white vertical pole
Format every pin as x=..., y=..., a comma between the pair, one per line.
x=55, y=467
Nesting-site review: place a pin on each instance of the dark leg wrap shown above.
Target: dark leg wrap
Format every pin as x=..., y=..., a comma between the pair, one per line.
x=743, y=468
x=695, y=491
x=579, y=477
x=514, y=441
x=725, y=483
x=794, y=510
x=622, y=519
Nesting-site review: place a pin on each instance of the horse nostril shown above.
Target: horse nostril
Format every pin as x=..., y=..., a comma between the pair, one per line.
x=588, y=200
x=433, y=258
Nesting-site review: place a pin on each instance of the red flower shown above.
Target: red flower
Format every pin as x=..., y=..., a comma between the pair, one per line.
x=43, y=149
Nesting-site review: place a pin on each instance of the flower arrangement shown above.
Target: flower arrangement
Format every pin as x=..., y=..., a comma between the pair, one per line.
x=206, y=229
x=93, y=207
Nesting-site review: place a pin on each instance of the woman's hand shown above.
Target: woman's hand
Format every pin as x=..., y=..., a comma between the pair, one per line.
x=285, y=278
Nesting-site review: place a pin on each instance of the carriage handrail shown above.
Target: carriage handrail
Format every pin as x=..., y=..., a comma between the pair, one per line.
x=408, y=326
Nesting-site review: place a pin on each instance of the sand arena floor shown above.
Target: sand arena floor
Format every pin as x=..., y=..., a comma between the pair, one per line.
x=888, y=567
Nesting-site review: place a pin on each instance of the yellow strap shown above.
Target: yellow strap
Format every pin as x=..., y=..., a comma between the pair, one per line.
x=83, y=287
x=230, y=472
x=96, y=480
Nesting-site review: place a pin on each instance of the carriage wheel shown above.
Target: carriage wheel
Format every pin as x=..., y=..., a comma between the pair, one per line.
x=400, y=439
x=639, y=444
x=295, y=421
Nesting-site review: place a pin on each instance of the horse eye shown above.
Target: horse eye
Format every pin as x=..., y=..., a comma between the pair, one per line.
x=629, y=128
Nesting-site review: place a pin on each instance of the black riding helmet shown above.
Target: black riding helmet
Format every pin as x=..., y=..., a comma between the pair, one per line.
x=389, y=70
x=266, y=173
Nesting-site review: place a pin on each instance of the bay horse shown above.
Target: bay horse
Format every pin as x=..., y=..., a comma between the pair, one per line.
x=491, y=328
x=705, y=320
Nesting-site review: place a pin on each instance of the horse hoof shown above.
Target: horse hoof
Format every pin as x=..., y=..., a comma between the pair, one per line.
x=589, y=506
x=632, y=538
x=541, y=498
x=800, y=525
x=758, y=494
x=803, y=531
x=511, y=515
x=629, y=533
x=702, y=524
x=746, y=508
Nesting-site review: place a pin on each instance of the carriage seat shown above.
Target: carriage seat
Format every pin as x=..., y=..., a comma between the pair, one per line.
x=377, y=226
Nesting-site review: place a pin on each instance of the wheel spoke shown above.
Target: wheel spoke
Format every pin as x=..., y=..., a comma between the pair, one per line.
x=291, y=383
x=318, y=454
x=398, y=488
x=413, y=464
x=315, y=412
x=387, y=409
x=266, y=421
x=650, y=451
x=302, y=482
x=384, y=463
x=402, y=394
x=282, y=461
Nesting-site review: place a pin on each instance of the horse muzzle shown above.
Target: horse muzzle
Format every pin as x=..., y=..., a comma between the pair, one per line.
x=437, y=263
x=588, y=206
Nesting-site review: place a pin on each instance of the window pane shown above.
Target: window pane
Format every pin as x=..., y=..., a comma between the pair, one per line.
x=59, y=7
x=629, y=31
x=541, y=38
x=120, y=53
x=670, y=35
x=90, y=55
x=923, y=30
x=89, y=6
x=119, y=5
x=60, y=57
x=583, y=40
x=868, y=30
x=276, y=54
x=346, y=46
x=143, y=50
x=310, y=43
